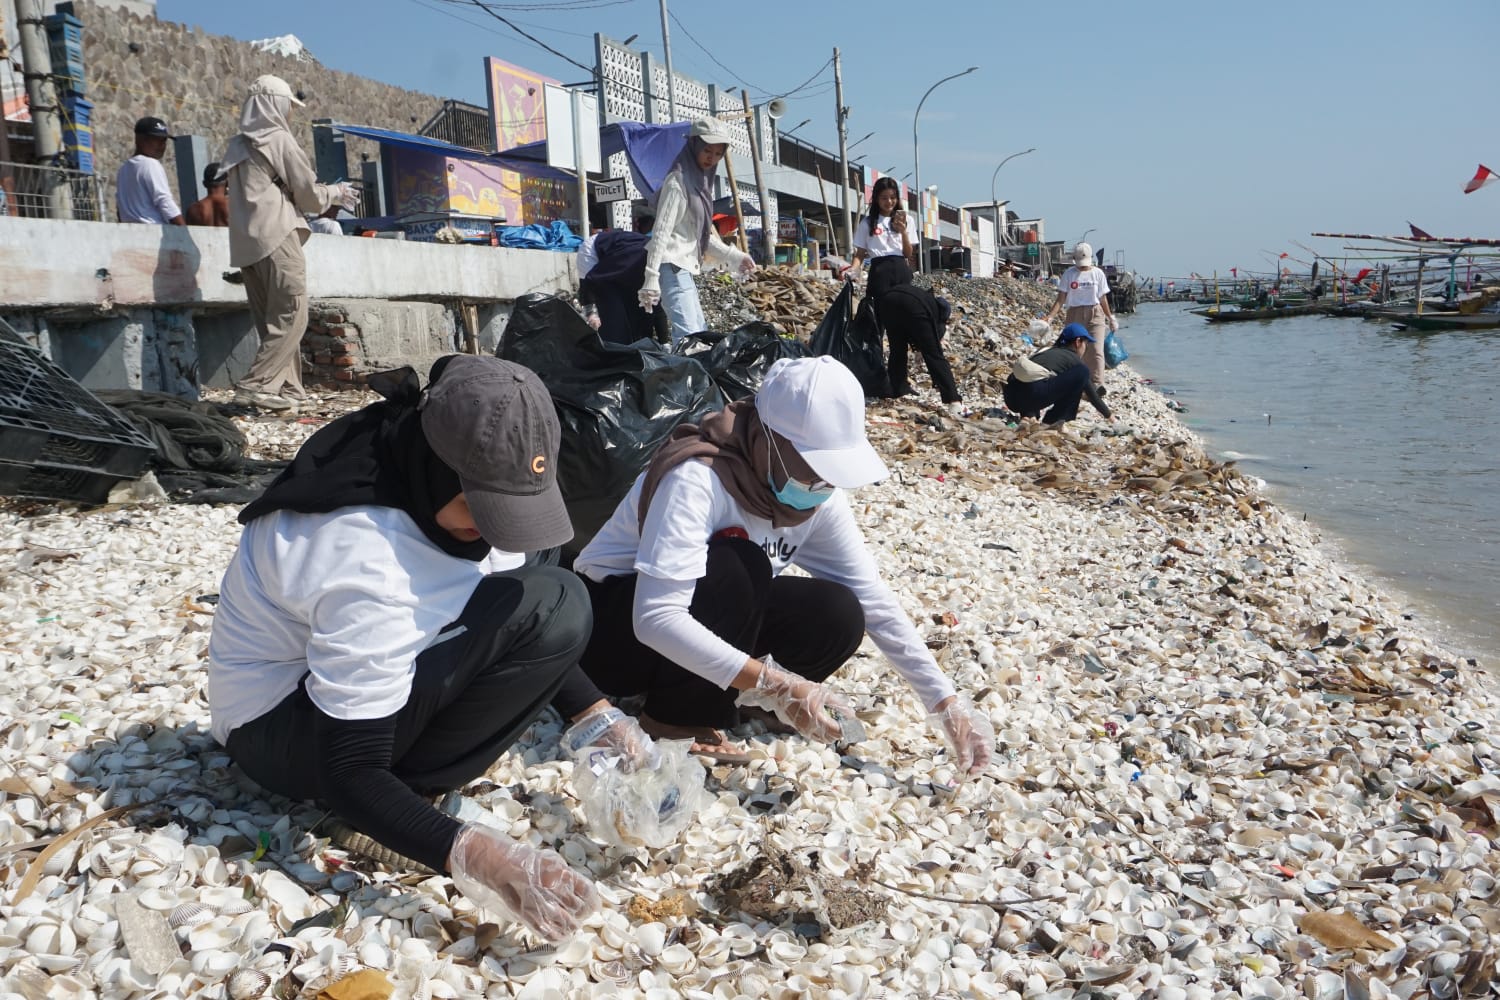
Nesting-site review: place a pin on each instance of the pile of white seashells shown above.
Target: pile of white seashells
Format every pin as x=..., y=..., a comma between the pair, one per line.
x=1227, y=768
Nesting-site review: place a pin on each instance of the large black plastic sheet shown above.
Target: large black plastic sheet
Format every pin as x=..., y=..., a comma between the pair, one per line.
x=853, y=337
x=738, y=360
x=616, y=403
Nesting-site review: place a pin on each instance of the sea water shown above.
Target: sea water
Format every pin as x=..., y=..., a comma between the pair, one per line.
x=1388, y=440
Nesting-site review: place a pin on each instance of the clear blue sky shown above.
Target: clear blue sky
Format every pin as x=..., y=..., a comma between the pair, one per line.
x=1192, y=136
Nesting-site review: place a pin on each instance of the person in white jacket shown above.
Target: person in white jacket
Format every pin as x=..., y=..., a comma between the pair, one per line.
x=684, y=236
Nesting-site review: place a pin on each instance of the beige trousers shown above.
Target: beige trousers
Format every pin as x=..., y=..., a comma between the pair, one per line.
x=1092, y=320
x=276, y=286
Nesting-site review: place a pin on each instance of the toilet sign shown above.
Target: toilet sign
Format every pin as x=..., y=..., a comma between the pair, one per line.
x=610, y=190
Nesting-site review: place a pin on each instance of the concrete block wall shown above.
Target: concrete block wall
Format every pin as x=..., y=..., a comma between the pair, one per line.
x=197, y=82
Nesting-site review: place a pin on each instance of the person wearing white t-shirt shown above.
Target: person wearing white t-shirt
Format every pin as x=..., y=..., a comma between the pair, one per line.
x=141, y=191
x=377, y=643
x=887, y=238
x=691, y=606
x=1084, y=291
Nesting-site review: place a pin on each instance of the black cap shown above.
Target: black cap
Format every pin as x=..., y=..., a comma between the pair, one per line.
x=154, y=127
x=214, y=174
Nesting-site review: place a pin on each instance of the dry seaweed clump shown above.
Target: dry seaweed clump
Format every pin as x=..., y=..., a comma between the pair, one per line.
x=775, y=884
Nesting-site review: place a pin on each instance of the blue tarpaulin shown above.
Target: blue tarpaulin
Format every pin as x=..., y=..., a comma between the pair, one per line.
x=539, y=237
x=649, y=149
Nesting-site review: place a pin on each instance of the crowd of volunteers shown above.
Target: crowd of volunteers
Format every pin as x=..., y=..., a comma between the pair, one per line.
x=394, y=619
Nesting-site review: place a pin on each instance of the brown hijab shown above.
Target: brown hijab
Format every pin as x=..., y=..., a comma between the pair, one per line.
x=734, y=444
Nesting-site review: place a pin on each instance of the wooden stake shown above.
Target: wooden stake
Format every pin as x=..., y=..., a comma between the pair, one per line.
x=827, y=212
x=739, y=212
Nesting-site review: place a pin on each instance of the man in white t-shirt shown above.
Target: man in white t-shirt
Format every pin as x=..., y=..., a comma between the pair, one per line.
x=141, y=191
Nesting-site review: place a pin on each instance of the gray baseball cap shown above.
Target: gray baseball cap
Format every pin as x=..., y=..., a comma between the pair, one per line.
x=492, y=422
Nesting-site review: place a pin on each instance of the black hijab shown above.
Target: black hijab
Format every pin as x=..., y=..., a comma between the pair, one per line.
x=376, y=456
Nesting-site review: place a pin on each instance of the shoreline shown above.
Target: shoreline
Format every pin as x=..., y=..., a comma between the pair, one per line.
x=1214, y=739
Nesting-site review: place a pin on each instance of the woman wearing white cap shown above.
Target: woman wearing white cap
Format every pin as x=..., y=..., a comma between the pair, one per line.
x=684, y=236
x=1084, y=290
x=272, y=187
x=690, y=603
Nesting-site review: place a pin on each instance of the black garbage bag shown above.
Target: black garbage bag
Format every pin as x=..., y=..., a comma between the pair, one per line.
x=738, y=360
x=853, y=337
x=616, y=404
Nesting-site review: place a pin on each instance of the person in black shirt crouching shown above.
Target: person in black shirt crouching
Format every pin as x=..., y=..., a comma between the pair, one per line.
x=1054, y=380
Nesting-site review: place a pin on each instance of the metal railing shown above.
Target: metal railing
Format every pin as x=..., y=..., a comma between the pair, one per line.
x=27, y=190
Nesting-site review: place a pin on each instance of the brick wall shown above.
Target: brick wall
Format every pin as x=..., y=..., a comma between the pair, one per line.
x=332, y=351
x=197, y=82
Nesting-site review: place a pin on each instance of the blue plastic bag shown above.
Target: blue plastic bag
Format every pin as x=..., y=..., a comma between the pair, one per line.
x=1114, y=351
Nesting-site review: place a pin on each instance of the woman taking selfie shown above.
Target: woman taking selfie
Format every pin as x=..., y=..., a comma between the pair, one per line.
x=886, y=238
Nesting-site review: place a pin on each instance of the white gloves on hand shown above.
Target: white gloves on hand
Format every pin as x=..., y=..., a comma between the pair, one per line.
x=807, y=706
x=522, y=883
x=612, y=730
x=349, y=195
x=649, y=298
x=969, y=732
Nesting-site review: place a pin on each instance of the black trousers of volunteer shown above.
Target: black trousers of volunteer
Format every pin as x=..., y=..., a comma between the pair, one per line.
x=483, y=680
x=1061, y=392
x=907, y=325
x=886, y=273
x=808, y=626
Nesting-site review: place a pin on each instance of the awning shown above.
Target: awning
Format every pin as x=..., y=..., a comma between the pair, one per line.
x=649, y=149
x=426, y=144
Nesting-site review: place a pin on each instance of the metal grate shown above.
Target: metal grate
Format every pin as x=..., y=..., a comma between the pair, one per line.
x=461, y=124
x=32, y=185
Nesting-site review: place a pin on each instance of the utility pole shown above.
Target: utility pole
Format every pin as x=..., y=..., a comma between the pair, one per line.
x=42, y=96
x=843, y=120
x=752, y=129
x=7, y=186
x=583, y=175
x=666, y=50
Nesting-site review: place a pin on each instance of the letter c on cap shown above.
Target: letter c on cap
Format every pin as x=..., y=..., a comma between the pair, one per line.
x=539, y=465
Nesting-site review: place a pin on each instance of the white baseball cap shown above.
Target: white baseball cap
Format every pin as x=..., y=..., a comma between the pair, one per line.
x=1083, y=254
x=817, y=404
x=712, y=131
x=274, y=86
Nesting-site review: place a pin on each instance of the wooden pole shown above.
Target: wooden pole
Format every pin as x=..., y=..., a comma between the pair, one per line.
x=1421, y=266
x=833, y=233
x=767, y=232
x=739, y=212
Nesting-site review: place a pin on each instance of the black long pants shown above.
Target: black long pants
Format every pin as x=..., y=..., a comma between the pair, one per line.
x=485, y=678
x=909, y=327
x=886, y=273
x=809, y=626
x=1061, y=392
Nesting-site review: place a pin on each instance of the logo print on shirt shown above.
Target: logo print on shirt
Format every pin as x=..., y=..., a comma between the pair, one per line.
x=778, y=549
x=1074, y=285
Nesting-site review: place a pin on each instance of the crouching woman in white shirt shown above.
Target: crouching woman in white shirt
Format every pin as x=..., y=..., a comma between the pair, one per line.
x=690, y=604
x=684, y=236
x=377, y=643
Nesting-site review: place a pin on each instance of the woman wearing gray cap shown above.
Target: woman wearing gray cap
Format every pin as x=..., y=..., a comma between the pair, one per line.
x=684, y=236
x=377, y=643
x=271, y=185
x=691, y=607
x=1084, y=291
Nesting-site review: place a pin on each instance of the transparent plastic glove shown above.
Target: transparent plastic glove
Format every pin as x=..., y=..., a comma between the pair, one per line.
x=1114, y=324
x=612, y=730
x=812, y=709
x=521, y=883
x=591, y=317
x=746, y=264
x=969, y=732
x=349, y=195
x=649, y=298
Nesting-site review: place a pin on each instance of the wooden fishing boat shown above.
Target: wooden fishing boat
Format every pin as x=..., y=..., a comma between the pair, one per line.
x=1448, y=321
x=1246, y=315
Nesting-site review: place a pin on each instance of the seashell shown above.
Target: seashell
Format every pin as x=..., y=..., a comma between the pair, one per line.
x=651, y=938
x=190, y=915
x=247, y=984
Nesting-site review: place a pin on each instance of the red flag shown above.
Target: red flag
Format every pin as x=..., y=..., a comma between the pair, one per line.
x=1364, y=273
x=1481, y=177
x=1286, y=255
x=1234, y=271
x=1419, y=234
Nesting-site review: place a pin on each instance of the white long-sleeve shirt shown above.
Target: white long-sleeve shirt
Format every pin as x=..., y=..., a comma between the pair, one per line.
x=674, y=236
x=670, y=553
x=142, y=193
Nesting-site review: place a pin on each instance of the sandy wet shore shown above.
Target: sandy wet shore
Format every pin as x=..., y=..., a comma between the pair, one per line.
x=1228, y=767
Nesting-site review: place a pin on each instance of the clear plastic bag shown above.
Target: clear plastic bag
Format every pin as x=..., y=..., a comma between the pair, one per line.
x=645, y=808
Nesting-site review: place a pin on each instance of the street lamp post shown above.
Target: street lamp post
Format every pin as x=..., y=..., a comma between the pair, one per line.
x=861, y=139
x=916, y=155
x=787, y=134
x=1000, y=226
